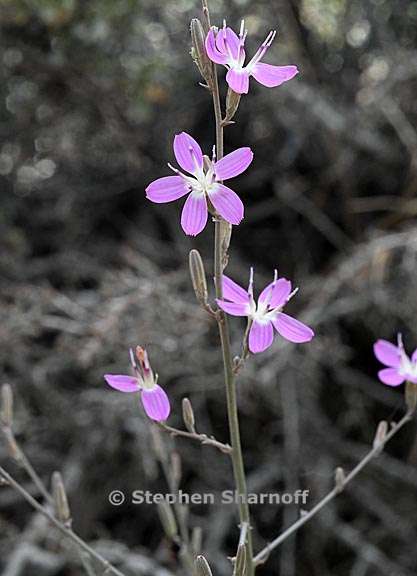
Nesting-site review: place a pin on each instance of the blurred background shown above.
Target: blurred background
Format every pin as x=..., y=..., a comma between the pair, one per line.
x=91, y=95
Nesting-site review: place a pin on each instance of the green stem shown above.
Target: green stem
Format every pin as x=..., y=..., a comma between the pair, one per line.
x=229, y=376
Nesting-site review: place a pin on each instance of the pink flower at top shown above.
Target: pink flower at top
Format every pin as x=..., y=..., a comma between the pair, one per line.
x=400, y=367
x=154, y=398
x=266, y=314
x=202, y=183
x=227, y=48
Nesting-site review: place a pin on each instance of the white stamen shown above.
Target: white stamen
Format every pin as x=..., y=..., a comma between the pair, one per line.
x=262, y=49
x=132, y=358
x=400, y=341
x=271, y=290
x=293, y=293
x=250, y=287
x=174, y=169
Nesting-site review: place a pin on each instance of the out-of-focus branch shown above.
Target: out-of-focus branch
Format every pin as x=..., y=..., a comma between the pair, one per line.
x=57, y=502
x=66, y=531
x=341, y=482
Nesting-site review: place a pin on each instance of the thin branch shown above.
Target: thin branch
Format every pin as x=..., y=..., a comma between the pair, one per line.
x=262, y=556
x=202, y=438
x=108, y=568
x=22, y=460
x=18, y=455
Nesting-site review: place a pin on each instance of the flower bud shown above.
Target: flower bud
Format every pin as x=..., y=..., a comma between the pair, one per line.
x=158, y=445
x=198, y=51
x=12, y=448
x=339, y=478
x=197, y=539
x=6, y=413
x=411, y=396
x=145, y=372
x=176, y=467
x=188, y=415
x=202, y=567
x=380, y=434
x=59, y=494
x=226, y=235
x=168, y=521
x=240, y=561
x=198, y=276
x=232, y=104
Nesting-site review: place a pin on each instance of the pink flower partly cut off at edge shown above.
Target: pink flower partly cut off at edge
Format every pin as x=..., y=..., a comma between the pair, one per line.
x=400, y=367
x=154, y=398
x=202, y=182
x=225, y=47
x=265, y=314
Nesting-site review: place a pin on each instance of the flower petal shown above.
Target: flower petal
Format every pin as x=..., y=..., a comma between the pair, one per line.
x=156, y=403
x=391, y=377
x=272, y=76
x=188, y=153
x=194, y=214
x=279, y=295
x=414, y=356
x=233, y=308
x=234, y=292
x=167, y=189
x=233, y=164
x=261, y=336
x=238, y=81
x=227, y=203
x=227, y=42
x=387, y=353
x=122, y=382
x=292, y=329
x=213, y=51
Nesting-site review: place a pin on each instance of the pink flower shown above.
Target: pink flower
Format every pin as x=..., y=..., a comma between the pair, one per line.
x=154, y=398
x=400, y=366
x=202, y=183
x=266, y=314
x=225, y=47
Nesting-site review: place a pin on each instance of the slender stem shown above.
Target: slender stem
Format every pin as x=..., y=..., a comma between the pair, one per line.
x=232, y=412
x=59, y=525
x=263, y=554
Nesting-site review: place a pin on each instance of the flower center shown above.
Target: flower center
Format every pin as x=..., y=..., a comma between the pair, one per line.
x=407, y=367
x=258, y=311
x=204, y=178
